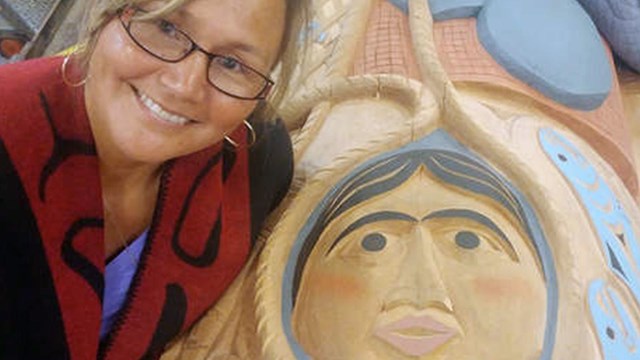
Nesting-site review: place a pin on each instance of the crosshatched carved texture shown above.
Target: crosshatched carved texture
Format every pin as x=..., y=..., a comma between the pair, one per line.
x=387, y=45
x=466, y=60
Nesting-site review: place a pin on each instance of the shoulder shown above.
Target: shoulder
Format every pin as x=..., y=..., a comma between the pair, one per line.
x=270, y=169
x=29, y=75
x=272, y=150
x=36, y=107
x=22, y=83
x=271, y=134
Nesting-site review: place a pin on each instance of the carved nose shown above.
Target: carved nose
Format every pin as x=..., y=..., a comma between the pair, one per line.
x=419, y=281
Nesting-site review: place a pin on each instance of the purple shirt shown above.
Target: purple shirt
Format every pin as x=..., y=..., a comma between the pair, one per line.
x=118, y=275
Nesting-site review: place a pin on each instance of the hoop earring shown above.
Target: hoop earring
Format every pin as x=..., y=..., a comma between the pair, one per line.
x=251, y=131
x=65, y=79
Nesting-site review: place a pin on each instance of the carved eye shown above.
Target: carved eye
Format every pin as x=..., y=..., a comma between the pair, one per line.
x=373, y=246
x=374, y=242
x=467, y=240
x=472, y=243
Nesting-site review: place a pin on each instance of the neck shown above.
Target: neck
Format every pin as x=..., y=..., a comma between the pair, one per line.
x=129, y=186
x=129, y=197
x=117, y=178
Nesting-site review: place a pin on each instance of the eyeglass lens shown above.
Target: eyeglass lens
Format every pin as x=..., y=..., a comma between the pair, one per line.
x=165, y=41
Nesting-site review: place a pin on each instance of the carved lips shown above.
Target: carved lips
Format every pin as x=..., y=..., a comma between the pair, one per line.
x=415, y=334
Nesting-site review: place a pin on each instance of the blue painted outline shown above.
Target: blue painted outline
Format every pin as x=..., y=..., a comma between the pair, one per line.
x=612, y=346
x=605, y=212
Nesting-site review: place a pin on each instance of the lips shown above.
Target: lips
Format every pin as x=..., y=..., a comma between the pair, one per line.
x=415, y=335
x=159, y=112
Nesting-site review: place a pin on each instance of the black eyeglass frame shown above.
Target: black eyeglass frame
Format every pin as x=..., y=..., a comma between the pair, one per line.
x=262, y=94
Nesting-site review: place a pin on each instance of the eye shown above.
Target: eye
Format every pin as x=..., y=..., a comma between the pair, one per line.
x=467, y=240
x=229, y=63
x=471, y=243
x=167, y=28
x=374, y=242
x=370, y=248
x=476, y=245
x=372, y=245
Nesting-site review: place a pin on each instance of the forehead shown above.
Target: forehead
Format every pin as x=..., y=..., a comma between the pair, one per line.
x=421, y=195
x=253, y=27
x=423, y=192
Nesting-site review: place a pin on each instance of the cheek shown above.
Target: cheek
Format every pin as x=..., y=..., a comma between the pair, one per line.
x=492, y=289
x=334, y=311
x=328, y=295
x=509, y=310
x=228, y=113
x=336, y=287
x=116, y=56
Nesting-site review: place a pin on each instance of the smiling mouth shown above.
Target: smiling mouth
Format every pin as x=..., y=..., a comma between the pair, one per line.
x=415, y=335
x=159, y=112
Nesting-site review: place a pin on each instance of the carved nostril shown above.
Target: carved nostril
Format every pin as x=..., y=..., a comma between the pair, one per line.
x=445, y=304
x=419, y=296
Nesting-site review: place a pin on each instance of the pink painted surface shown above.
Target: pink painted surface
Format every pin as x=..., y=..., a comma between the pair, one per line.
x=466, y=60
x=416, y=335
x=387, y=47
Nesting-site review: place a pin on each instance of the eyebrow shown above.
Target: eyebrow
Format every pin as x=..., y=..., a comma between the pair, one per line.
x=478, y=218
x=180, y=17
x=181, y=13
x=447, y=213
x=239, y=44
x=371, y=218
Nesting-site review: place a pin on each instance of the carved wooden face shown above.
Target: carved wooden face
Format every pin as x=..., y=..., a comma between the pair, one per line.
x=426, y=270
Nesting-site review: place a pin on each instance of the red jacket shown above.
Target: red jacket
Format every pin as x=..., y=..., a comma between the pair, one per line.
x=209, y=209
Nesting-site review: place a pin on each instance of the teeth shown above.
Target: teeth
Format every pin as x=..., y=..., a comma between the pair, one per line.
x=160, y=112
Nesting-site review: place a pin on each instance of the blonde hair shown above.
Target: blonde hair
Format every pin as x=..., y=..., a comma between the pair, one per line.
x=100, y=12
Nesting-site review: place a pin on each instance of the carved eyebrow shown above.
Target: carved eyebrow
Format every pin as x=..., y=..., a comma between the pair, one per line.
x=447, y=213
x=478, y=218
x=368, y=219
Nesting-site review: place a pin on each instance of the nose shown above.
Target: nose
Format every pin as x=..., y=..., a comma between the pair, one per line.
x=419, y=281
x=187, y=79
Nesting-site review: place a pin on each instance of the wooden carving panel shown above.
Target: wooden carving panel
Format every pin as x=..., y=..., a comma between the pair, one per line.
x=442, y=207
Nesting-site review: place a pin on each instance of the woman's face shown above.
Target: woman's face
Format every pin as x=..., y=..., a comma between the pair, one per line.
x=145, y=110
x=423, y=271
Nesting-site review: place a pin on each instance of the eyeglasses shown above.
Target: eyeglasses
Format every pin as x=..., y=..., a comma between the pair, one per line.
x=163, y=40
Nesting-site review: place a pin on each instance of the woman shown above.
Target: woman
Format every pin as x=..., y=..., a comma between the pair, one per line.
x=149, y=151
